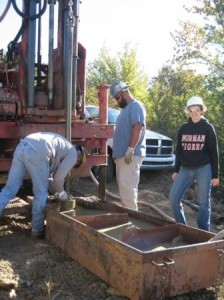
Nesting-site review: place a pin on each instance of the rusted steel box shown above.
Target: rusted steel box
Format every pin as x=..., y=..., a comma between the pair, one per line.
x=140, y=258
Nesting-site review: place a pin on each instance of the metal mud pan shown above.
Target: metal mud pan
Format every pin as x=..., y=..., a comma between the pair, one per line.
x=142, y=256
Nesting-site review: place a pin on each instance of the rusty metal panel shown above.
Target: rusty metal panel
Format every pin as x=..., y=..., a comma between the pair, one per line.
x=100, y=221
x=13, y=130
x=98, y=253
x=112, y=207
x=137, y=264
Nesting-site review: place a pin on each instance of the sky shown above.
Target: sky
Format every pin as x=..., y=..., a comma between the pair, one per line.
x=145, y=24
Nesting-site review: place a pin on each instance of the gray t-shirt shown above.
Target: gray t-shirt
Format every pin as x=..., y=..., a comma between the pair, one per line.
x=132, y=114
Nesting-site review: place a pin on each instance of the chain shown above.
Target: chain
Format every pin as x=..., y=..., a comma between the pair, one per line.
x=220, y=254
x=164, y=274
x=70, y=11
x=164, y=269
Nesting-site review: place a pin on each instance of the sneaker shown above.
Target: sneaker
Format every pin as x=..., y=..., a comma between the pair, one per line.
x=38, y=235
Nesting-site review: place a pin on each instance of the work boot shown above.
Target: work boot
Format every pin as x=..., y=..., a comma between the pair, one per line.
x=38, y=235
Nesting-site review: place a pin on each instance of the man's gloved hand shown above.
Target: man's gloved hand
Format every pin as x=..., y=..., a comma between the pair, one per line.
x=61, y=196
x=129, y=155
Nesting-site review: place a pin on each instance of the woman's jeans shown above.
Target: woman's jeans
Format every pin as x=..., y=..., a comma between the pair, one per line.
x=183, y=181
x=27, y=160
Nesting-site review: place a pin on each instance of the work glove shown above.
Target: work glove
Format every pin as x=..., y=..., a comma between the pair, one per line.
x=61, y=196
x=128, y=157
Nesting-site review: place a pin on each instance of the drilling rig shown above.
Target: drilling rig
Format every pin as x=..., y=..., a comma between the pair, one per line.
x=37, y=96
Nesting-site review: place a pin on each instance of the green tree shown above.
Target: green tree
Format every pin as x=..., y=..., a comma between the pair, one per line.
x=123, y=66
x=203, y=44
x=168, y=94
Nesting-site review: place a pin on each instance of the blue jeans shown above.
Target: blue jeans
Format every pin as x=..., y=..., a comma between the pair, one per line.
x=183, y=181
x=26, y=160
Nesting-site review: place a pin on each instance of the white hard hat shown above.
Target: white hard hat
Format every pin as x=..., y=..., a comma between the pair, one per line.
x=195, y=100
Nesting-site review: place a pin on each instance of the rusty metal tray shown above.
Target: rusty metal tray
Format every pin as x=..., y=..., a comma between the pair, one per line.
x=142, y=256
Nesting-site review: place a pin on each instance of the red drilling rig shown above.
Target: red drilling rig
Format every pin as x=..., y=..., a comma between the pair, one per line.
x=36, y=96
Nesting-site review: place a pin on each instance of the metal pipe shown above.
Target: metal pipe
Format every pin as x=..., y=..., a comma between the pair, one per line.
x=68, y=86
x=65, y=57
x=75, y=54
x=31, y=54
x=51, y=53
x=69, y=68
x=39, y=54
x=103, y=119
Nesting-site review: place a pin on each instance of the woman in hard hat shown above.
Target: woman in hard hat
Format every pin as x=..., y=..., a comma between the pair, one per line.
x=197, y=159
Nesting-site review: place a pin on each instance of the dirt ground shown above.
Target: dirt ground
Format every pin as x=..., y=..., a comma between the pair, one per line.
x=37, y=270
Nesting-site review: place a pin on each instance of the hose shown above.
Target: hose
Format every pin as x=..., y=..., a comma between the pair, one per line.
x=107, y=192
x=192, y=205
x=159, y=211
x=26, y=16
x=5, y=11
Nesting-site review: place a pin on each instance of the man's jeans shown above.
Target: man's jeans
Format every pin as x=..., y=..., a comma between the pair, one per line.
x=183, y=181
x=27, y=160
